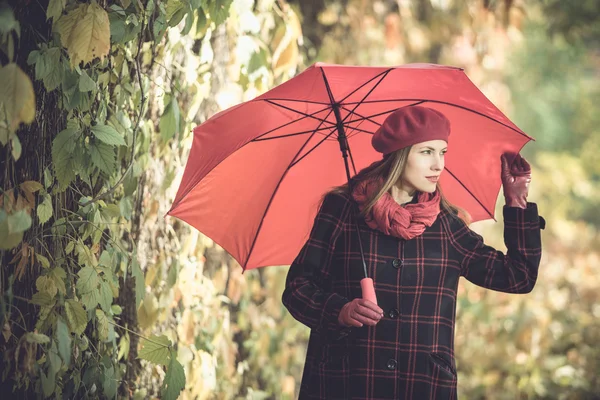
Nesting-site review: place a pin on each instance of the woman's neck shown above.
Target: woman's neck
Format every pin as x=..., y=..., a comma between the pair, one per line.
x=400, y=195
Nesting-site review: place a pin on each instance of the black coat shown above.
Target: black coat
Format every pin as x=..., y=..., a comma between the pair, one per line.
x=409, y=354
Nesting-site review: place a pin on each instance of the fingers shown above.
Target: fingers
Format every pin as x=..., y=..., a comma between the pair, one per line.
x=525, y=165
x=364, y=320
x=367, y=312
x=353, y=322
x=369, y=304
x=517, y=167
x=504, y=161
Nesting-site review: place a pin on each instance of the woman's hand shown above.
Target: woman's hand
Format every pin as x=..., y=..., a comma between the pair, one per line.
x=359, y=312
x=515, y=180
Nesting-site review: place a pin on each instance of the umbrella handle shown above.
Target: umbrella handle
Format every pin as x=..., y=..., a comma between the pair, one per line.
x=368, y=290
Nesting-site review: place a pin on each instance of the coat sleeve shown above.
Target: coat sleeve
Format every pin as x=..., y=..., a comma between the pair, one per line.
x=307, y=296
x=513, y=272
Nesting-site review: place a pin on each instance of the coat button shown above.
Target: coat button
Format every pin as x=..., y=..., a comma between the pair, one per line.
x=397, y=263
x=391, y=364
x=393, y=313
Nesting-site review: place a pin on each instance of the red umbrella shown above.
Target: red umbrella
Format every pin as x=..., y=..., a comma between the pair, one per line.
x=257, y=171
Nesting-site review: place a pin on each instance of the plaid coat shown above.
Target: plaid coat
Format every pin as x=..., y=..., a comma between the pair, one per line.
x=409, y=354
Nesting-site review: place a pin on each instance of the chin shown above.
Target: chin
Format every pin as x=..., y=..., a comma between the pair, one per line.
x=428, y=188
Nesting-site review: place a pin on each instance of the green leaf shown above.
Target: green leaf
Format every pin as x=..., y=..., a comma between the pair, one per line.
x=109, y=383
x=76, y=316
x=175, y=11
x=116, y=309
x=54, y=68
x=64, y=341
x=106, y=296
x=126, y=207
x=59, y=275
x=105, y=259
x=46, y=284
x=86, y=84
x=8, y=240
x=7, y=19
x=108, y=135
x=88, y=279
x=85, y=255
x=174, y=381
x=62, y=156
x=48, y=180
x=156, y=351
x=38, y=338
x=16, y=148
x=53, y=357
x=19, y=222
x=42, y=299
x=160, y=26
x=124, y=345
x=103, y=156
x=169, y=122
x=55, y=9
x=102, y=325
x=202, y=23
x=42, y=260
x=44, y=209
x=48, y=383
x=140, y=285
x=91, y=299
x=172, y=275
x=70, y=247
x=219, y=10
x=111, y=211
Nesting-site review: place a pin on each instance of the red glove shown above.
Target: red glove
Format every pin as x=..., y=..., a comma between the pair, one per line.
x=359, y=312
x=515, y=180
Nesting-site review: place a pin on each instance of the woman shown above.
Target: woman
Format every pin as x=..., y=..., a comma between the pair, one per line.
x=416, y=245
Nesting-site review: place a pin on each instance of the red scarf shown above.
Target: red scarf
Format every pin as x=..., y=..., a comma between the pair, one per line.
x=393, y=219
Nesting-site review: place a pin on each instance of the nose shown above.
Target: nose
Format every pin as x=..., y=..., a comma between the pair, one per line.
x=438, y=163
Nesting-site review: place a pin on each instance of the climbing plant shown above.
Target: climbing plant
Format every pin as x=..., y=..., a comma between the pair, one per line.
x=97, y=100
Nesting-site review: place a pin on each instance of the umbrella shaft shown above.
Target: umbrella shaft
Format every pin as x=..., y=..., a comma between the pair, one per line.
x=343, y=141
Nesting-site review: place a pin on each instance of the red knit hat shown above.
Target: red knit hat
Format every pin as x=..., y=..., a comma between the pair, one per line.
x=410, y=125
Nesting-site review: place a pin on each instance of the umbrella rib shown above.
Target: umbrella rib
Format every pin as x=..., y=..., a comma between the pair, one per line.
x=259, y=139
x=367, y=95
x=301, y=112
x=297, y=101
x=471, y=193
x=374, y=115
x=364, y=84
x=314, y=147
x=262, y=220
x=448, y=104
x=291, y=122
x=378, y=114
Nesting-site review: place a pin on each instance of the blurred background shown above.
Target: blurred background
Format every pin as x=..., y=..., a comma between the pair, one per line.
x=93, y=149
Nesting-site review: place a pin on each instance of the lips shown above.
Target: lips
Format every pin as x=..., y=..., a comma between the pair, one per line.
x=433, y=179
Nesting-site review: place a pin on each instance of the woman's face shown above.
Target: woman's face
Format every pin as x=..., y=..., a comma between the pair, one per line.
x=424, y=165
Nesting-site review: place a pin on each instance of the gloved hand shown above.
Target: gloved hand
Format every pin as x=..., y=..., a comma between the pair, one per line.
x=359, y=312
x=515, y=180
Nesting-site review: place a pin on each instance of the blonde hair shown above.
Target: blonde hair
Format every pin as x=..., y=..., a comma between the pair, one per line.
x=391, y=168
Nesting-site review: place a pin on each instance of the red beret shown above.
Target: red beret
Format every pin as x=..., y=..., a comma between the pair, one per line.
x=410, y=125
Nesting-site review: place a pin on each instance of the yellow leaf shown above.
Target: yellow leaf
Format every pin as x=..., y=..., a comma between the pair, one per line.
x=17, y=99
x=31, y=186
x=85, y=33
x=285, y=44
x=148, y=312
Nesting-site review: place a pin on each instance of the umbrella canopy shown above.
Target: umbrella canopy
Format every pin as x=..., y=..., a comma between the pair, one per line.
x=257, y=171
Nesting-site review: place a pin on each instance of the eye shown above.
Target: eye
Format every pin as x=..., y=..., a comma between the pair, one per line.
x=426, y=152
